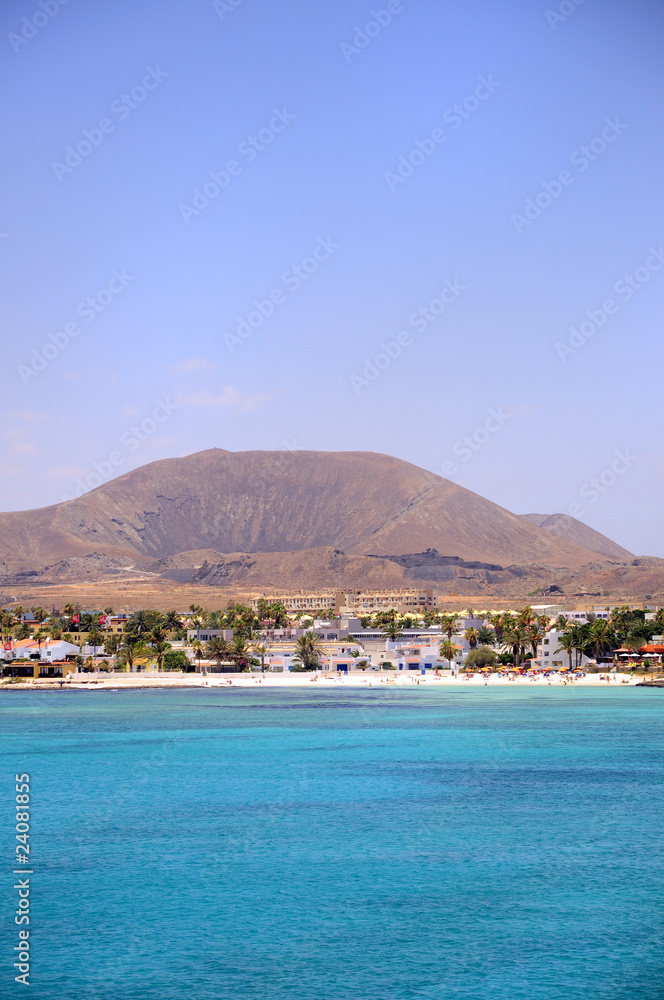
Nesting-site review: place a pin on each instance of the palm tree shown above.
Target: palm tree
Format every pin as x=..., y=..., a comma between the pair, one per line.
x=40, y=637
x=279, y=614
x=516, y=638
x=197, y=613
x=261, y=650
x=448, y=650
x=634, y=642
x=601, y=637
x=54, y=628
x=486, y=636
x=131, y=646
x=448, y=623
x=392, y=630
x=579, y=634
x=213, y=619
x=308, y=649
x=217, y=649
x=160, y=649
x=536, y=632
x=112, y=643
x=240, y=651
x=7, y=621
x=566, y=646
x=143, y=622
x=500, y=622
x=526, y=616
x=172, y=621
x=39, y=613
x=95, y=637
x=197, y=647
x=470, y=635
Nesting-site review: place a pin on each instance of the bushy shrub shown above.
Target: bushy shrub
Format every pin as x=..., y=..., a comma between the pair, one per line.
x=483, y=656
x=176, y=659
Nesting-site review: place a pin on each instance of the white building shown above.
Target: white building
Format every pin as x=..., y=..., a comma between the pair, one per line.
x=550, y=656
x=49, y=650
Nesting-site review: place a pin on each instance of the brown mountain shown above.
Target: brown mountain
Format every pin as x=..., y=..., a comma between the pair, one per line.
x=564, y=526
x=361, y=503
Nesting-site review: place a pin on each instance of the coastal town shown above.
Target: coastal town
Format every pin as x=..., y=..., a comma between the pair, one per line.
x=397, y=634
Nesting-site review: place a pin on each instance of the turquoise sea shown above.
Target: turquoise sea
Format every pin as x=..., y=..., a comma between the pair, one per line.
x=492, y=844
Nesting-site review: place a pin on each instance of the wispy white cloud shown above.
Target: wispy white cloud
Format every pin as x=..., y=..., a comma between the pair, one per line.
x=230, y=396
x=23, y=448
x=29, y=416
x=188, y=365
x=65, y=471
x=23, y=427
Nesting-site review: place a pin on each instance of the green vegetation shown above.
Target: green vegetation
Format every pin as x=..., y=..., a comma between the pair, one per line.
x=308, y=648
x=219, y=650
x=483, y=656
x=274, y=612
x=147, y=634
x=448, y=650
x=176, y=659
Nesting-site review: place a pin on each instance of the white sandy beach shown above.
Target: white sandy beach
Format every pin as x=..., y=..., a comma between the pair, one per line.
x=118, y=681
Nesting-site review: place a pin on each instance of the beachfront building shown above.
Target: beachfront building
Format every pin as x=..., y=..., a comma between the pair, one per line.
x=29, y=658
x=416, y=657
x=415, y=648
x=48, y=650
x=551, y=657
x=374, y=641
x=335, y=654
x=36, y=669
x=205, y=634
x=649, y=655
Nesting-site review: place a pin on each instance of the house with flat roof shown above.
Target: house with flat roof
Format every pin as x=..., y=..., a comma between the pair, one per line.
x=48, y=650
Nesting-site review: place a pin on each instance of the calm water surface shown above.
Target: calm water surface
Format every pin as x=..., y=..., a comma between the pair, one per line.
x=329, y=845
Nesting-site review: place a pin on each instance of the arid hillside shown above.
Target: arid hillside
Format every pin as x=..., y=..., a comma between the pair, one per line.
x=304, y=520
x=564, y=526
x=279, y=502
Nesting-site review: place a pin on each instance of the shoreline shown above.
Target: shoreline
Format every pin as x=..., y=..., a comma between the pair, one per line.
x=134, y=682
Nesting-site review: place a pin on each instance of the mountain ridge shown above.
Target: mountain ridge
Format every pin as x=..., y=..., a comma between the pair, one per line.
x=568, y=527
x=356, y=516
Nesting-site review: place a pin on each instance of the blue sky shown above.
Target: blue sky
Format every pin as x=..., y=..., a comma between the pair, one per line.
x=440, y=225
